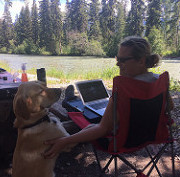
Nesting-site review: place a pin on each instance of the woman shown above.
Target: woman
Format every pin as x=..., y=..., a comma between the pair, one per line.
x=134, y=58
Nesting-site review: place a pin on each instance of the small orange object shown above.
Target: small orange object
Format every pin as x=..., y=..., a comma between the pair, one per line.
x=24, y=77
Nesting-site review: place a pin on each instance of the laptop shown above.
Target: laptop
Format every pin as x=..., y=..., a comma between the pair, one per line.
x=94, y=95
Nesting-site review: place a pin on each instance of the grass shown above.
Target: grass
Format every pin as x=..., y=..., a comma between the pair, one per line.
x=5, y=66
x=107, y=74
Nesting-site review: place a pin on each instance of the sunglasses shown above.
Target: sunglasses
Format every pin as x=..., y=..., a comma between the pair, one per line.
x=123, y=59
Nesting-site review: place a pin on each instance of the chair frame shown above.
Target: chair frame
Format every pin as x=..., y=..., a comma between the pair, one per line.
x=154, y=159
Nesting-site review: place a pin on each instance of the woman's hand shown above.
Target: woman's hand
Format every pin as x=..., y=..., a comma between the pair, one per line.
x=58, y=145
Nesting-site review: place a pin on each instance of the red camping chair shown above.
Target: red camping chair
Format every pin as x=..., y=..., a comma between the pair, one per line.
x=144, y=119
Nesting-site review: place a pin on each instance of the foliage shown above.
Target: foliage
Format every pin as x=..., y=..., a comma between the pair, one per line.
x=3, y=50
x=6, y=27
x=57, y=27
x=78, y=16
x=94, y=31
x=134, y=22
x=157, y=41
x=174, y=85
x=35, y=23
x=27, y=47
x=154, y=15
x=45, y=25
x=86, y=25
x=78, y=43
x=94, y=48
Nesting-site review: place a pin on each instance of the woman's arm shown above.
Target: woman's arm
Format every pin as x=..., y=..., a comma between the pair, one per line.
x=89, y=134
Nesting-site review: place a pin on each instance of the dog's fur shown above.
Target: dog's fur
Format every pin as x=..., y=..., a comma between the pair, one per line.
x=30, y=104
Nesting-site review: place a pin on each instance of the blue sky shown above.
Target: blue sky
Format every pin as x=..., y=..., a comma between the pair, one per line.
x=17, y=5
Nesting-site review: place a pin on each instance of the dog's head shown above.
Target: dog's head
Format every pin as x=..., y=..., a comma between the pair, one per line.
x=31, y=100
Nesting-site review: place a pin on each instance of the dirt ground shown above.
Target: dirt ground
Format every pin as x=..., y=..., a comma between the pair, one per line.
x=81, y=161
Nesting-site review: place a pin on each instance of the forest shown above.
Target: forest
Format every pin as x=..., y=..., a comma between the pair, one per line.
x=90, y=27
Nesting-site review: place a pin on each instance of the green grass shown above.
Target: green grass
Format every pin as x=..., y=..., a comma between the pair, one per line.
x=5, y=66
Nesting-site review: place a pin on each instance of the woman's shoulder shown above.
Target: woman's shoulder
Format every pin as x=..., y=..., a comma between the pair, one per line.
x=147, y=77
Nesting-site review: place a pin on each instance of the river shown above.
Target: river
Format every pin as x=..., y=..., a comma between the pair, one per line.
x=77, y=64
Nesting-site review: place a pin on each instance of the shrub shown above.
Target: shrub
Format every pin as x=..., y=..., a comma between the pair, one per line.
x=3, y=50
x=156, y=40
x=78, y=43
x=94, y=48
x=20, y=49
x=43, y=51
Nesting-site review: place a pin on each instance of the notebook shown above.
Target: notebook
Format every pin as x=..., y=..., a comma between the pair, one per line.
x=94, y=95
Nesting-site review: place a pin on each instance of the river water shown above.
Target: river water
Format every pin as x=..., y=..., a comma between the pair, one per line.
x=81, y=64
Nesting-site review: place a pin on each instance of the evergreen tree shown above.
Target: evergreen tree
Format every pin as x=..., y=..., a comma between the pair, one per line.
x=78, y=16
x=120, y=20
x=23, y=26
x=108, y=28
x=111, y=15
x=173, y=32
x=166, y=16
x=94, y=32
x=67, y=21
x=46, y=32
x=27, y=24
x=17, y=29
x=7, y=26
x=134, y=22
x=104, y=19
x=154, y=15
x=57, y=26
x=1, y=35
x=107, y=19
x=66, y=24
x=35, y=23
x=156, y=40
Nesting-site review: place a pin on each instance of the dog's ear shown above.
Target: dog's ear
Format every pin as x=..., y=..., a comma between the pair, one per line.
x=20, y=107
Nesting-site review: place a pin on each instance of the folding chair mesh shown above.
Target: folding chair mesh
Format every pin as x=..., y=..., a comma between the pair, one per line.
x=141, y=107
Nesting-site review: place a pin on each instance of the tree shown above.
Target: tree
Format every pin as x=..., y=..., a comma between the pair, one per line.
x=35, y=24
x=94, y=32
x=120, y=21
x=67, y=23
x=46, y=32
x=23, y=26
x=107, y=24
x=173, y=32
x=78, y=16
x=27, y=24
x=107, y=19
x=7, y=26
x=154, y=16
x=57, y=27
x=156, y=40
x=134, y=22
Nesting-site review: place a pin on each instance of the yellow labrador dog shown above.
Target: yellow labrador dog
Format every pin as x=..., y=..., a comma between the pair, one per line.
x=35, y=125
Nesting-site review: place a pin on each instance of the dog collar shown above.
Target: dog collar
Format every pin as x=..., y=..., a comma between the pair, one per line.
x=45, y=118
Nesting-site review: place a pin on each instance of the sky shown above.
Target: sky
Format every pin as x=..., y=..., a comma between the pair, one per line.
x=17, y=5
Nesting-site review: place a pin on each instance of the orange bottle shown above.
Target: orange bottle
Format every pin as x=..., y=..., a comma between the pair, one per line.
x=24, y=77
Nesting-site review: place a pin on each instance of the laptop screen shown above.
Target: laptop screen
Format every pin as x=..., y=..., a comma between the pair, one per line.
x=92, y=90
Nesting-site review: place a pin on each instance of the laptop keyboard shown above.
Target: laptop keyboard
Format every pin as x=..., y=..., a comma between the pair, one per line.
x=99, y=105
